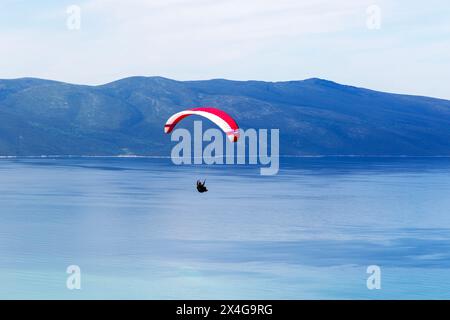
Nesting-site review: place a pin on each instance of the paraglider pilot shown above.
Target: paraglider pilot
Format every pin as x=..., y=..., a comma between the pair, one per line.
x=201, y=186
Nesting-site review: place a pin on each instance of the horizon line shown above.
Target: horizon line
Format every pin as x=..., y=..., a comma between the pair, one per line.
x=223, y=79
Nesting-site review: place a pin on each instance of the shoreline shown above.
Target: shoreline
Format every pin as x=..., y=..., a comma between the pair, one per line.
x=168, y=157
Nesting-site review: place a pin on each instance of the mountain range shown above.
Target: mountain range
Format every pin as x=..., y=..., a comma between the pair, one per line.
x=126, y=117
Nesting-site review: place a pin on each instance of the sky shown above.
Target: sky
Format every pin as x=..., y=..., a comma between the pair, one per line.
x=395, y=46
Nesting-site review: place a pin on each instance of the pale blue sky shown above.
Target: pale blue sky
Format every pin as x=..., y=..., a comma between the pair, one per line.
x=235, y=39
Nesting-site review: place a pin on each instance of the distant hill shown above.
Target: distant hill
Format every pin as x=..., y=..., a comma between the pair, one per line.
x=315, y=117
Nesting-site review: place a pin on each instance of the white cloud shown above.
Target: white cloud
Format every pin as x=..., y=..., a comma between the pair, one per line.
x=246, y=39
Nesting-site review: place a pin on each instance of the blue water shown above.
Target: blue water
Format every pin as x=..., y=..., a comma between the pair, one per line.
x=137, y=228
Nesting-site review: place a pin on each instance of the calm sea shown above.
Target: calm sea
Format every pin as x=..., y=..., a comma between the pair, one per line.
x=137, y=228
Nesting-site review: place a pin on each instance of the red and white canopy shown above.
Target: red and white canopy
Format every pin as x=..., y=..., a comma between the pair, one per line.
x=222, y=119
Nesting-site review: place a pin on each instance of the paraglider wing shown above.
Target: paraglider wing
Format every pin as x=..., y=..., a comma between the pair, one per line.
x=222, y=119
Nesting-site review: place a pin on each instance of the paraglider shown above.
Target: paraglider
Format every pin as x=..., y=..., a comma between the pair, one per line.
x=201, y=186
x=222, y=119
